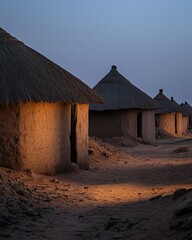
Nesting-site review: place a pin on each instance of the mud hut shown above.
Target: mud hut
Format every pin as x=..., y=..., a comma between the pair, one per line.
x=128, y=111
x=187, y=115
x=185, y=120
x=43, y=111
x=169, y=116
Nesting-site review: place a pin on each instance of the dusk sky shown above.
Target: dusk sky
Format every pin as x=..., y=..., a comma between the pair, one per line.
x=150, y=41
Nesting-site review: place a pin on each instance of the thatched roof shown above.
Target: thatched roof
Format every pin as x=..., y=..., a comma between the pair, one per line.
x=167, y=106
x=120, y=93
x=176, y=105
x=26, y=75
x=187, y=109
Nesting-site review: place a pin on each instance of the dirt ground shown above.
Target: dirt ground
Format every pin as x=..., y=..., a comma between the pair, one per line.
x=128, y=193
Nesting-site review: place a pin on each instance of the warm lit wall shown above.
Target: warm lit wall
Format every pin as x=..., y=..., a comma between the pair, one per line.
x=82, y=135
x=37, y=136
x=45, y=136
x=185, y=124
x=179, y=124
x=167, y=123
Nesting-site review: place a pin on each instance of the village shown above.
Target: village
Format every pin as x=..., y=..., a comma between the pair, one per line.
x=79, y=163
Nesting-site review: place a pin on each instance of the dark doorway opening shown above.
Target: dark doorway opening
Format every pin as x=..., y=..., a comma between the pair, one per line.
x=139, y=125
x=176, y=123
x=73, y=137
x=190, y=122
x=156, y=123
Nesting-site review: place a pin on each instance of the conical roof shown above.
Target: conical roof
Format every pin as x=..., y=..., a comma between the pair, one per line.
x=26, y=75
x=120, y=93
x=187, y=109
x=176, y=105
x=167, y=106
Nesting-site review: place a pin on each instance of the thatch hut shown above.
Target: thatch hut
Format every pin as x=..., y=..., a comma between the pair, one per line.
x=185, y=120
x=169, y=116
x=43, y=111
x=128, y=111
x=187, y=115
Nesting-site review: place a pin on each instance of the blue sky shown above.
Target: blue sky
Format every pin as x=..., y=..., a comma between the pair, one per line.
x=150, y=41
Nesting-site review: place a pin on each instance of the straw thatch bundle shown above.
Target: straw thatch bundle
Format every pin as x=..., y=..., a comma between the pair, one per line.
x=176, y=105
x=187, y=109
x=167, y=106
x=120, y=93
x=26, y=75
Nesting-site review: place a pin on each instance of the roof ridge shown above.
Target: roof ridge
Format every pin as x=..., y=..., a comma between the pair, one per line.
x=167, y=105
x=5, y=37
x=120, y=93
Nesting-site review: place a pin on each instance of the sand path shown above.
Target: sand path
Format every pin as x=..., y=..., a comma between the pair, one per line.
x=112, y=199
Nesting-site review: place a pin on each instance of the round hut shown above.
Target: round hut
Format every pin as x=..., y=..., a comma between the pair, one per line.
x=185, y=119
x=187, y=115
x=43, y=111
x=169, y=116
x=127, y=111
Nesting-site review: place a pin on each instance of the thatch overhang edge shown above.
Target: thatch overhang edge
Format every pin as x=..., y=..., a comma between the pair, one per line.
x=27, y=75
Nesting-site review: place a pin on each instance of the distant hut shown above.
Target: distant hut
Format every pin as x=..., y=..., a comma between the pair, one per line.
x=169, y=116
x=128, y=111
x=184, y=118
x=43, y=111
x=187, y=115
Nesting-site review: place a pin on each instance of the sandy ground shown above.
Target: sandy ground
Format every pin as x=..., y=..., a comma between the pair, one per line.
x=126, y=194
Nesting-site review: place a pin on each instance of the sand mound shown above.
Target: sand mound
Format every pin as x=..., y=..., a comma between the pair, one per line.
x=161, y=134
x=19, y=202
x=113, y=143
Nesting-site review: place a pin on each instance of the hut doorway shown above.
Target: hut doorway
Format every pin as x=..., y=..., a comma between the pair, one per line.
x=176, y=123
x=139, y=124
x=73, y=137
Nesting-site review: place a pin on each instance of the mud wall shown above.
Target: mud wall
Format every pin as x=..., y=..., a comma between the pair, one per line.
x=82, y=135
x=128, y=125
x=179, y=124
x=45, y=136
x=9, y=136
x=108, y=124
x=105, y=124
x=148, y=125
x=185, y=121
x=171, y=123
